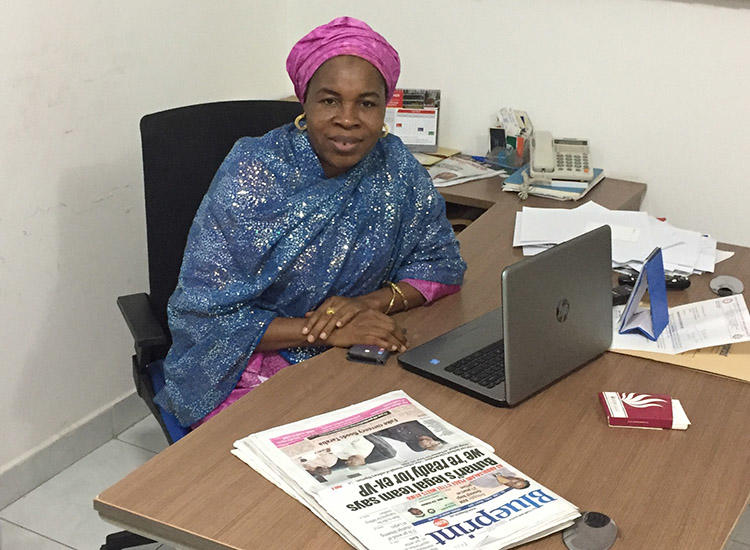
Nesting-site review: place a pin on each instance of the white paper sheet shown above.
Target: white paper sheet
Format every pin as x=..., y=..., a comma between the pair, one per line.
x=723, y=320
x=634, y=236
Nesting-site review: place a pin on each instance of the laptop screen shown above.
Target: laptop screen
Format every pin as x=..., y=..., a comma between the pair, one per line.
x=412, y=115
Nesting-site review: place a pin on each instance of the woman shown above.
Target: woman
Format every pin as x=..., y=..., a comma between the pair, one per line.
x=310, y=236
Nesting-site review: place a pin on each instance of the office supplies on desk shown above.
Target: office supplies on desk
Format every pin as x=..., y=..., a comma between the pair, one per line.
x=505, y=157
x=515, y=122
x=643, y=410
x=717, y=322
x=652, y=321
x=553, y=319
x=508, y=139
x=556, y=189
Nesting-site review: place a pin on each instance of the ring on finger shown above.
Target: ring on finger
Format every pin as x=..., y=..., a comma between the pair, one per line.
x=330, y=311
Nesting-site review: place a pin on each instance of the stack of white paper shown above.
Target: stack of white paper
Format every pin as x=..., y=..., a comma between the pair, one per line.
x=634, y=236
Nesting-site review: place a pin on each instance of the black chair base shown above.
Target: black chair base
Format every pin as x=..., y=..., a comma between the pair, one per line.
x=125, y=539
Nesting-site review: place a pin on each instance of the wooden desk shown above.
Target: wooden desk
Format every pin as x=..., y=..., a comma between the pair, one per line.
x=612, y=193
x=665, y=489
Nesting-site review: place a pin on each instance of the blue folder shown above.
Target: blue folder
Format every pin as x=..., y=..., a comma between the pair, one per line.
x=650, y=322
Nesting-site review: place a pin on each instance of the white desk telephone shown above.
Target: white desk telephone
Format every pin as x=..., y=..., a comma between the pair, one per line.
x=560, y=159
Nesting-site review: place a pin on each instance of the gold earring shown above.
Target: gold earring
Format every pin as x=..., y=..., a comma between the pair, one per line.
x=297, y=123
x=386, y=130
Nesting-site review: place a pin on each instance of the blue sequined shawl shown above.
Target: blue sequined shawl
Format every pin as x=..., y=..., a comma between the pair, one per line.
x=274, y=237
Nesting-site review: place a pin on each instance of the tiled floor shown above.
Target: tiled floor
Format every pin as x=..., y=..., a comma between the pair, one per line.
x=59, y=514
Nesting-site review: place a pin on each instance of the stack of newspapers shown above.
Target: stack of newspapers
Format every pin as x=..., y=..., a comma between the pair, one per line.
x=388, y=473
x=461, y=169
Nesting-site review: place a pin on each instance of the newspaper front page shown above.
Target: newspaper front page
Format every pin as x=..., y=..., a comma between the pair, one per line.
x=388, y=473
x=460, y=169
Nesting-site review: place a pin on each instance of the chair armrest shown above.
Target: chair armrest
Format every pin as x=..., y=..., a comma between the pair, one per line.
x=145, y=328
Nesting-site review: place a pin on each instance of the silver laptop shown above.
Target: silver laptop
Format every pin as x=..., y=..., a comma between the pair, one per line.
x=556, y=315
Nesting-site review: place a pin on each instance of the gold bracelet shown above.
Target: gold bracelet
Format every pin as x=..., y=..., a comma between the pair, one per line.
x=390, y=304
x=396, y=289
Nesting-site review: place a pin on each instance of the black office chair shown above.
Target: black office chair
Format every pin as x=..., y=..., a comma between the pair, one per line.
x=182, y=149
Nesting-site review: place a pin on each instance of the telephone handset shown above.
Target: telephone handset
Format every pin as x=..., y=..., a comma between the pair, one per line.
x=560, y=159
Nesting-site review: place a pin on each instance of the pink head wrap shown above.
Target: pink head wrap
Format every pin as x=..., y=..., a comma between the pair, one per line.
x=342, y=36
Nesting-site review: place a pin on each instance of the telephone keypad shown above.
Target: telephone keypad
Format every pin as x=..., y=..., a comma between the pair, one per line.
x=572, y=162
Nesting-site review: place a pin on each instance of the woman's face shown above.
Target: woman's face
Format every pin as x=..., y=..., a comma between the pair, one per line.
x=344, y=110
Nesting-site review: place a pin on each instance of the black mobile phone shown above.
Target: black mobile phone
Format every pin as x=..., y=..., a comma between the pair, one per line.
x=368, y=354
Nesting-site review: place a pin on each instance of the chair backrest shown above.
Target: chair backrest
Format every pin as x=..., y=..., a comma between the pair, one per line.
x=182, y=149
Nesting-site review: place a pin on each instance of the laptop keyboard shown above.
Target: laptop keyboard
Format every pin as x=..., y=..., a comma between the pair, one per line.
x=486, y=366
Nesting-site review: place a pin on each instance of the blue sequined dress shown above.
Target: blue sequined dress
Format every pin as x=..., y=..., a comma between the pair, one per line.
x=274, y=237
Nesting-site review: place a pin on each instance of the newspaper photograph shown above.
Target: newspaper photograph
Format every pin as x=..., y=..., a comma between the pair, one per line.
x=389, y=473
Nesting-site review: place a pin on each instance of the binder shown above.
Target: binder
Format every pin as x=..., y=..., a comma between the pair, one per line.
x=558, y=190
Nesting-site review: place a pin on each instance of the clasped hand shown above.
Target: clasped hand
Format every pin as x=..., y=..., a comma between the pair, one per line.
x=343, y=322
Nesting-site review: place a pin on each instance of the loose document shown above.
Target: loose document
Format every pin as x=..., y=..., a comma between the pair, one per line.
x=388, y=473
x=634, y=236
x=715, y=322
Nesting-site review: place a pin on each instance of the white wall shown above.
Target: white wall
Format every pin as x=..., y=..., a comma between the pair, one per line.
x=660, y=87
x=76, y=78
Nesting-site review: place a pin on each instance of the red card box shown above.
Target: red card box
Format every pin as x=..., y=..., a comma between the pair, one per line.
x=643, y=410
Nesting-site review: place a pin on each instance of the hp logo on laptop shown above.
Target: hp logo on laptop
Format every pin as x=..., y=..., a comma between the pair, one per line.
x=563, y=307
